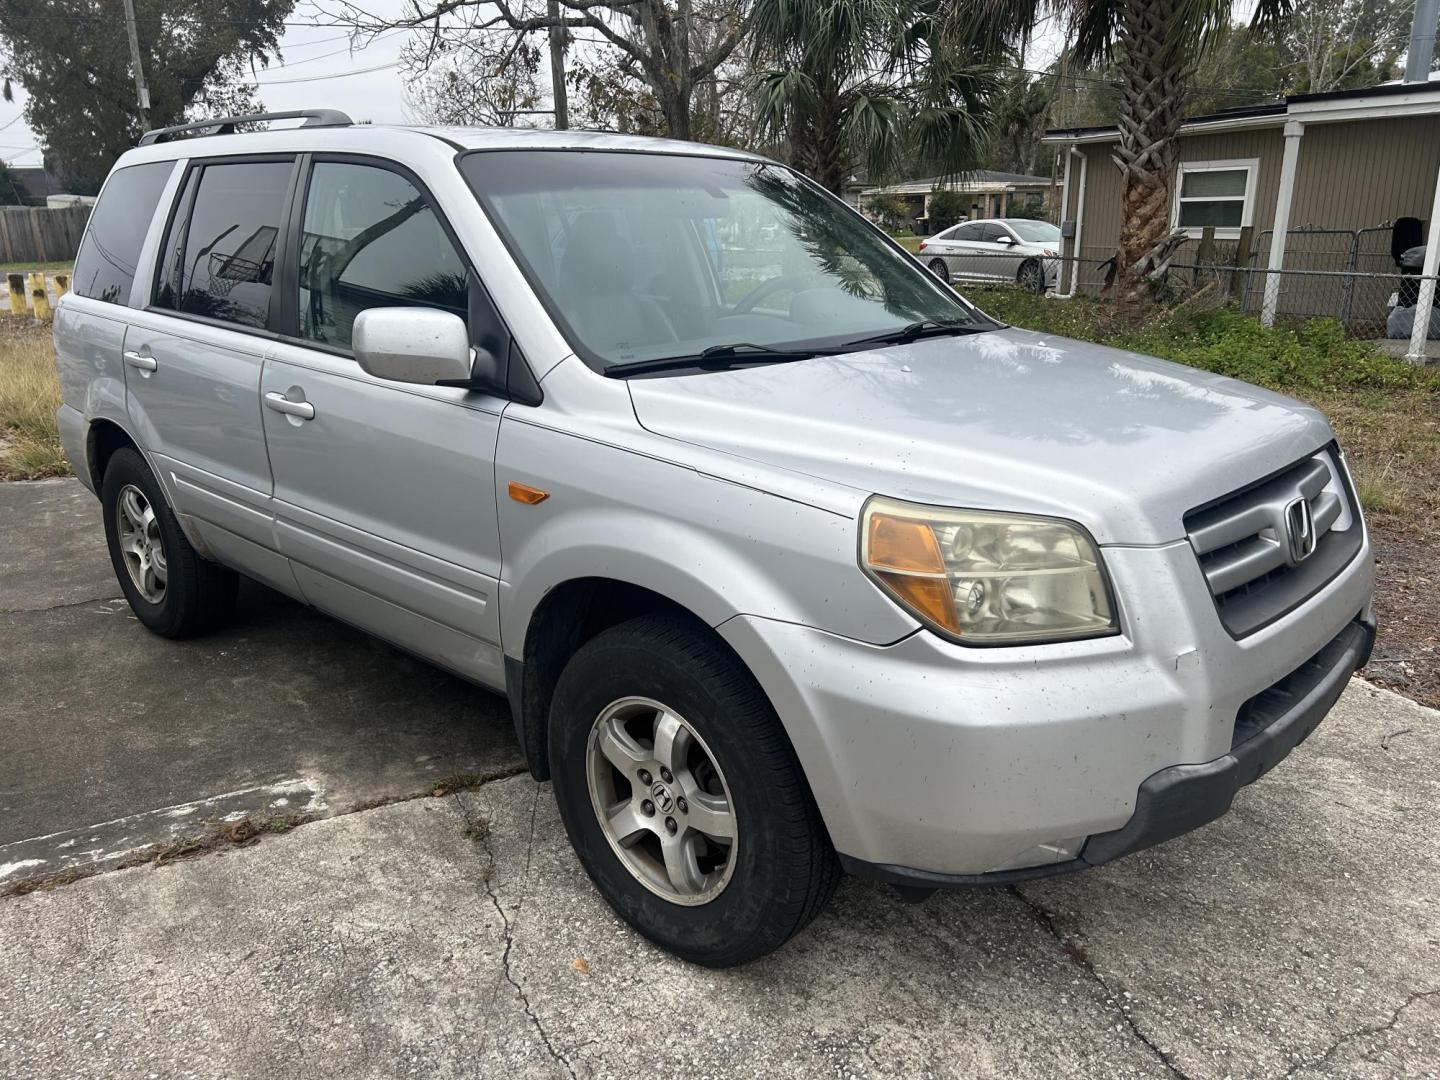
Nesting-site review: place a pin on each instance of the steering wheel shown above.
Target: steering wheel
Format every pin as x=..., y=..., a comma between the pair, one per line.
x=766, y=288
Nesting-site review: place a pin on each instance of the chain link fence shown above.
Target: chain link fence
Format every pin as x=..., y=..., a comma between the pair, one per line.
x=1331, y=274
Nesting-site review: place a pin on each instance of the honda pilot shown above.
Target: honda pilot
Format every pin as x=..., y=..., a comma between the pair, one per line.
x=789, y=560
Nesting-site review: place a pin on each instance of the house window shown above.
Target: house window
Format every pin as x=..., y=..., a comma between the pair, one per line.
x=1215, y=193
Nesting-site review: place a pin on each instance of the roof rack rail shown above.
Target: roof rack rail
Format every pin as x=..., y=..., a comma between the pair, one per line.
x=225, y=125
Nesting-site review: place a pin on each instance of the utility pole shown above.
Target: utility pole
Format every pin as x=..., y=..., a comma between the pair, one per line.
x=1422, y=41
x=142, y=92
x=557, y=66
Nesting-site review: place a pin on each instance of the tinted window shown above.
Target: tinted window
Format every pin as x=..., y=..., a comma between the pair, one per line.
x=370, y=239
x=220, y=257
x=990, y=233
x=105, y=268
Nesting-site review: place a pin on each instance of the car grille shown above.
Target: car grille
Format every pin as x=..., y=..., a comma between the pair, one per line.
x=1253, y=548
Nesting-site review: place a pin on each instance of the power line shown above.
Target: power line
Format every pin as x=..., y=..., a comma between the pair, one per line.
x=323, y=78
x=323, y=56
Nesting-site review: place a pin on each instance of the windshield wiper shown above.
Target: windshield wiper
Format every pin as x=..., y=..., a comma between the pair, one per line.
x=718, y=358
x=923, y=328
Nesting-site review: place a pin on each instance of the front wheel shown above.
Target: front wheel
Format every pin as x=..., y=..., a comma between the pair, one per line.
x=1031, y=278
x=682, y=795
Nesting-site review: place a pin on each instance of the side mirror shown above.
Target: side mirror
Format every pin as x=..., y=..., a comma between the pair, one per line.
x=1006, y=239
x=419, y=345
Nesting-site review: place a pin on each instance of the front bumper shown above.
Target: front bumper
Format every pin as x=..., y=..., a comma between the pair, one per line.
x=935, y=764
x=1181, y=798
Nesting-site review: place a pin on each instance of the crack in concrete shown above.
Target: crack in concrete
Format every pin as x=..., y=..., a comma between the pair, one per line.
x=509, y=930
x=1378, y=1029
x=211, y=830
x=1079, y=957
x=62, y=607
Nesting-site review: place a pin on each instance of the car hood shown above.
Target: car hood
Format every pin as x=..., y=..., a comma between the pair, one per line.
x=1004, y=420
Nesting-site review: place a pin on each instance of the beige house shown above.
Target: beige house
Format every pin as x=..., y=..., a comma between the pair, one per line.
x=989, y=192
x=1314, y=183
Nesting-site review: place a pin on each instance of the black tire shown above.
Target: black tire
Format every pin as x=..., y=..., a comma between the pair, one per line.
x=784, y=868
x=940, y=270
x=1031, y=278
x=199, y=595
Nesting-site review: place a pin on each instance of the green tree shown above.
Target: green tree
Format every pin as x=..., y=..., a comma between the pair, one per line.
x=947, y=206
x=73, y=60
x=1022, y=113
x=851, y=84
x=1155, y=46
x=893, y=211
x=12, y=192
x=1243, y=68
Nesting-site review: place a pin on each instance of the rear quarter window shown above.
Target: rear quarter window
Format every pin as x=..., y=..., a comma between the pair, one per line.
x=110, y=252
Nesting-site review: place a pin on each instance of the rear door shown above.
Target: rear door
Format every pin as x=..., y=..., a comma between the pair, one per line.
x=91, y=319
x=962, y=247
x=193, y=356
x=384, y=491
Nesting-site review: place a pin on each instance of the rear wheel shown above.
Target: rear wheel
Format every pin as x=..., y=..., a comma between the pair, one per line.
x=940, y=270
x=1031, y=278
x=682, y=795
x=171, y=589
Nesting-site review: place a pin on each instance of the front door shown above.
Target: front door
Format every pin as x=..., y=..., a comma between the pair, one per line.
x=384, y=492
x=992, y=257
x=193, y=357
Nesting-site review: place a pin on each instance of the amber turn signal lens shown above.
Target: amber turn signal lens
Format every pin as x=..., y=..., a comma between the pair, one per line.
x=903, y=544
x=929, y=596
x=524, y=493
x=904, y=554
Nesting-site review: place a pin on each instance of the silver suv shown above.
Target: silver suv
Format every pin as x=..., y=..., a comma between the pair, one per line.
x=788, y=559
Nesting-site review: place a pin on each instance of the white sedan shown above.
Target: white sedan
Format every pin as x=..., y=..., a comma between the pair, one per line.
x=1016, y=250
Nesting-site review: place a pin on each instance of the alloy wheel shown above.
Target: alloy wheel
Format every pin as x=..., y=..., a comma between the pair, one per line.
x=141, y=544
x=661, y=800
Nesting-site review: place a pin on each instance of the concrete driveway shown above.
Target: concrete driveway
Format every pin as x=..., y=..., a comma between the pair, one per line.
x=114, y=738
x=455, y=936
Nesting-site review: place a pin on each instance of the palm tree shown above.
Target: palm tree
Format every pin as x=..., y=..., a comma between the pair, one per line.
x=852, y=83
x=1155, y=46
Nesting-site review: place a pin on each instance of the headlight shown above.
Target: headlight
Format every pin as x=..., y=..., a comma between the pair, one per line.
x=985, y=578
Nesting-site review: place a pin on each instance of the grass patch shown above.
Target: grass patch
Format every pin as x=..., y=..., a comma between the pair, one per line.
x=32, y=267
x=1315, y=356
x=29, y=395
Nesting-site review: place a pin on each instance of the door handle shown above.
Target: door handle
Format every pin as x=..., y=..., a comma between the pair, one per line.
x=281, y=404
x=140, y=362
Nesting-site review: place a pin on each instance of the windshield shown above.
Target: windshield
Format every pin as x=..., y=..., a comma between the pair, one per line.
x=643, y=257
x=1034, y=232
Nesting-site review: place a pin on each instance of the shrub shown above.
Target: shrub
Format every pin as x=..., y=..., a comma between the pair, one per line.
x=893, y=211
x=947, y=207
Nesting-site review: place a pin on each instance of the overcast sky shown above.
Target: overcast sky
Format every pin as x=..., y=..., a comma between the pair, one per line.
x=319, y=70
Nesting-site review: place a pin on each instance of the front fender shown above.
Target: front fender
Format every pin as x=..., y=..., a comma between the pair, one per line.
x=717, y=548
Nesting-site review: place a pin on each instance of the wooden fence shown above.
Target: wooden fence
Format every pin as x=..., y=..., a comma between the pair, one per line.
x=41, y=234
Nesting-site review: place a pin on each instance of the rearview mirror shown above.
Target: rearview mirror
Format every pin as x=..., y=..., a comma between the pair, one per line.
x=415, y=345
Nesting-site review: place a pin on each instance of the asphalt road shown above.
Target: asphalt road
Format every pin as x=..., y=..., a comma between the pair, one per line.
x=115, y=738
x=456, y=936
